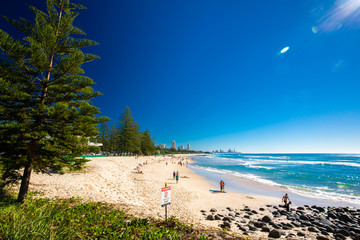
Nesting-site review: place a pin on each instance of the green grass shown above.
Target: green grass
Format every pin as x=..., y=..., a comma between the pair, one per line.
x=73, y=218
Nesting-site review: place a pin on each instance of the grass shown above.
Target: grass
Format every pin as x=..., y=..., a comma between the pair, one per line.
x=42, y=218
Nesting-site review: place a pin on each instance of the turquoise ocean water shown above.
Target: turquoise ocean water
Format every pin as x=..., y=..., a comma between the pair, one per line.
x=328, y=176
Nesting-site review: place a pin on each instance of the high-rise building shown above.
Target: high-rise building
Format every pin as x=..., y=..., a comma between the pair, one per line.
x=181, y=147
x=188, y=146
x=173, y=145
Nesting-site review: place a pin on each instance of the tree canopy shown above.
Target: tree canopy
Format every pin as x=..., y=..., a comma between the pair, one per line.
x=45, y=111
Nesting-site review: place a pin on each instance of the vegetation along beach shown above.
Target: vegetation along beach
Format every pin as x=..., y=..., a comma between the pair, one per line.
x=138, y=152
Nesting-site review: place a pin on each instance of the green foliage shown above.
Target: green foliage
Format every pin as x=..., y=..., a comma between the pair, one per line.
x=75, y=219
x=45, y=111
x=147, y=145
x=128, y=139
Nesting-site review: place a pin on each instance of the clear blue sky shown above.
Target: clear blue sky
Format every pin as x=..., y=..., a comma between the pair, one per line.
x=210, y=73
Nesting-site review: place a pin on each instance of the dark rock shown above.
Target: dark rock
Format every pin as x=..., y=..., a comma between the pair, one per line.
x=320, y=209
x=227, y=224
x=324, y=233
x=266, y=219
x=254, y=212
x=227, y=219
x=355, y=230
x=217, y=217
x=304, y=217
x=286, y=227
x=300, y=234
x=283, y=212
x=261, y=209
x=213, y=210
x=319, y=237
x=250, y=213
x=247, y=209
x=231, y=215
x=252, y=227
x=300, y=208
x=295, y=224
x=276, y=226
x=357, y=237
x=247, y=216
x=242, y=228
x=275, y=207
x=268, y=205
x=339, y=236
x=345, y=218
x=202, y=211
x=230, y=209
x=258, y=224
x=343, y=232
x=210, y=217
x=221, y=215
x=274, y=233
x=313, y=229
x=291, y=236
x=265, y=229
x=313, y=206
x=332, y=215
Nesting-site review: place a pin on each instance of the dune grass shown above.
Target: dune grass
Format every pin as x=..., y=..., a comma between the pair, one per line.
x=42, y=218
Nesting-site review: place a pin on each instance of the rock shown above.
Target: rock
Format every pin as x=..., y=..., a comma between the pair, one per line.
x=357, y=237
x=242, y=228
x=313, y=229
x=320, y=209
x=291, y=236
x=268, y=205
x=286, y=227
x=247, y=216
x=227, y=219
x=275, y=207
x=324, y=233
x=213, y=210
x=304, y=217
x=231, y=215
x=217, y=217
x=339, y=236
x=274, y=233
x=343, y=232
x=300, y=234
x=261, y=209
x=345, y=218
x=230, y=209
x=202, y=211
x=210, y=217
x=227, y=224
x=258, y=224
x=332, y=215
x=300, y=208
x=254, y=212
x=266, y=219
x=265, y=229
x=252, y=227
x=319, y=237
x=221, y=215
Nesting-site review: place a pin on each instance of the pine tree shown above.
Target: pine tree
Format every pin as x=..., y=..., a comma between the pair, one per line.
x=129, y=138
x=46, y=116
x=104, y=135
x=147, y=145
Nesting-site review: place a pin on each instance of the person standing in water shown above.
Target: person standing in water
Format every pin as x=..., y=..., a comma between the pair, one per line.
x=222, y=185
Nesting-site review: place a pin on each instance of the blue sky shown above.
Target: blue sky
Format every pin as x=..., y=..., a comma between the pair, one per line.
x=210, y=73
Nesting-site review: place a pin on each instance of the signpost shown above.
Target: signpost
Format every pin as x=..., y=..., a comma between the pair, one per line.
x=165, y=197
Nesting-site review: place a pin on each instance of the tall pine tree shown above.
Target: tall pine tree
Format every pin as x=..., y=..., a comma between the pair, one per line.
x=147, y=145
x=129, y=138
x=45, y=112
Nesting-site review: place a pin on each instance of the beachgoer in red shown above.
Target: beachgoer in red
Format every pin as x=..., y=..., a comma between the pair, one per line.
x=222, y=185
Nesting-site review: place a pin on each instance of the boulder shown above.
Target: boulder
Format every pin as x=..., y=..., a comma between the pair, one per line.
x=319, y=237
x=262, y=209
x=274, y=233
x=265, y=229
x=213, y=210
x=300, y=234
x=291, y=236
x=266, y=219
x=339, y=236
x=230, y=209
x=357, y=237
x=343, y=232
x=258, y=224
x=227, y=224
x=210, y=217
x=313, y=229
x=217, y=217
x=345, y=218
x=227, y=219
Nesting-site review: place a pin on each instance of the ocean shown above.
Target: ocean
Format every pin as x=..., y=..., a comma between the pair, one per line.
x=328, y=178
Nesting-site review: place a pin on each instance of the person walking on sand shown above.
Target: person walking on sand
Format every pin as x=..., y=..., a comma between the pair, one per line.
x=286, y=201
x=222, y=185
x=174, y=174
x=177, y=176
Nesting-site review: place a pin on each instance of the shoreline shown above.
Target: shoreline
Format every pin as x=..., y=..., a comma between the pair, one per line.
x=115, y=180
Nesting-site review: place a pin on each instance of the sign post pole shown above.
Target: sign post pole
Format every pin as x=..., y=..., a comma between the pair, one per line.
x=165, y=198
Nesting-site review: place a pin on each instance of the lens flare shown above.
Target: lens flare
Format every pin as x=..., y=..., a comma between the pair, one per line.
x=284, y=50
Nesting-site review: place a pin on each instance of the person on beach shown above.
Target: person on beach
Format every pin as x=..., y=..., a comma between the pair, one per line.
x=286, y=201
x=174, y=174
x=222, y=185
x=177, y=176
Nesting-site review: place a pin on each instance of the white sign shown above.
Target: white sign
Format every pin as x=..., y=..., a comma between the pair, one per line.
x=165, y=196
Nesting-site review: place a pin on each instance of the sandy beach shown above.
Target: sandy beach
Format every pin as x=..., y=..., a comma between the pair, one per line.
x=115, y=180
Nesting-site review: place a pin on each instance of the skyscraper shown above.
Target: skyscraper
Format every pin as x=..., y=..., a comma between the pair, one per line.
x=188, y=146
x=173, y=145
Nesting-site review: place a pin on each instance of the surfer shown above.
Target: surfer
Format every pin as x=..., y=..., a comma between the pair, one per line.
x=286, y=201
x=222, y=185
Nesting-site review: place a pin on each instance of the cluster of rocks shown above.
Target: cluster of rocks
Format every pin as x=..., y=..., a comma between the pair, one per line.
x=305, y=222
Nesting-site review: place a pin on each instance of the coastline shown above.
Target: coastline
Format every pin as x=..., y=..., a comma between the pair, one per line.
x=115, y=180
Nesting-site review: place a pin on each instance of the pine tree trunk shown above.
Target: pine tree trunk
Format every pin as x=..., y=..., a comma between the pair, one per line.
x=25, y=181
